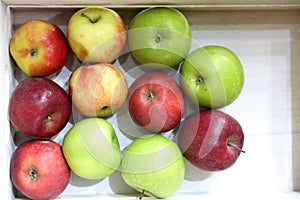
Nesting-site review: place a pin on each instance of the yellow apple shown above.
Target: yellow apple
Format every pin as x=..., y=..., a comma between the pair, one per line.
x=96, y=34
x=98, y=90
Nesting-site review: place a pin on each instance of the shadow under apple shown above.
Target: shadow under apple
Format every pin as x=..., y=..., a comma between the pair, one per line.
x=118, y=185
x=193, y=173
x=82, y=182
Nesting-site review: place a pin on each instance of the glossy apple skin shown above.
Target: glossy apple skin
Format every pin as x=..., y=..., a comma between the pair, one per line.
x=156, y=102
x=98, y=90
x=96, y=34
x=39, y=107
x=38, y=169
x=212, y=76
x=91, y=148
x=159, y=35
x=204, y=136
x=153, y=165
x=39, y=48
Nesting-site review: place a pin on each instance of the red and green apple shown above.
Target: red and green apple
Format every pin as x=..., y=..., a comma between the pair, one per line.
x=39, y=48
x=98, y=90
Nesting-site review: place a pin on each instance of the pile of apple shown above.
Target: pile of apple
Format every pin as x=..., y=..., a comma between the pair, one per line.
x=159, y=38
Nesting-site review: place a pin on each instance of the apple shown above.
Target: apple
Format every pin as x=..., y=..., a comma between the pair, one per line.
x=159, y=36
x=98, y=90
x=153, y=165
x=156, y=102
x=38, y=169
x=211, y=140
x=96, y=34
x=39, y=48
x=91, y=148
x=39, y=107
x=212, y=76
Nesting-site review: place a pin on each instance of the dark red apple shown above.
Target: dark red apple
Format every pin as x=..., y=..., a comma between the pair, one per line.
x=39, y=170
x=156, y=102
x=39, y=107
x=211, y=140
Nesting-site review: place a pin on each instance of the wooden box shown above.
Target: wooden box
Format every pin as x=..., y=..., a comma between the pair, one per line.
x=266, y=37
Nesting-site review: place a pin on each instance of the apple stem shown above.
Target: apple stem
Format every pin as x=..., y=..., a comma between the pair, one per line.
x=241, y=150
x=91, y=20
x=48, y=119
x=142, y=195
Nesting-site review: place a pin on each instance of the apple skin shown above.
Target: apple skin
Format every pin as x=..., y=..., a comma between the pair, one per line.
x=91, y=148
x=96, y=34
x=212, y=76
x=39, y=107
x=211, y=140
x=38, y=169
x=153, y=165
x=98, y=90
x=39, y=48
x=156, y=102
x=159, y=36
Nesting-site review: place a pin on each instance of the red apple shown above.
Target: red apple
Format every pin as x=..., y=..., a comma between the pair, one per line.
x=39, y=107
x=211, y=140
x=156, y=102
x=39, y=48
x=39, y=170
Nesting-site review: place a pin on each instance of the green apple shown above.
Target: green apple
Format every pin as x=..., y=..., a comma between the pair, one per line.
x=153, y=165
x=96, y=34
x=160, y=36
x=212, y=76
x=91, y=148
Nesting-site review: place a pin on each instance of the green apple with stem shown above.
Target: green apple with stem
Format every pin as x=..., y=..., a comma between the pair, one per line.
x=91, y=149
x=153, y=165
x=212, y=76
x=159, y=36
x=96, y=34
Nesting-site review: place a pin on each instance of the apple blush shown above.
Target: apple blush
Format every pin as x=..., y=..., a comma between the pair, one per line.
x=211, y=140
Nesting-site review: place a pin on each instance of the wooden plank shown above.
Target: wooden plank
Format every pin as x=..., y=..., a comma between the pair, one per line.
x=203, y=4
